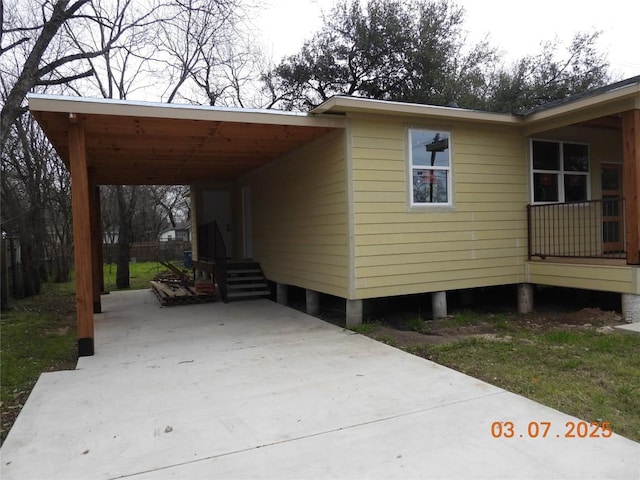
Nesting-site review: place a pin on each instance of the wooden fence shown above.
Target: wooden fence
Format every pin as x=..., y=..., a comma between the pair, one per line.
x=149, y=251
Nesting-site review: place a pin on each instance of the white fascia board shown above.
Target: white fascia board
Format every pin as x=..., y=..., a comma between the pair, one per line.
x=626, y=92
x=103, y=106
x=384, y=107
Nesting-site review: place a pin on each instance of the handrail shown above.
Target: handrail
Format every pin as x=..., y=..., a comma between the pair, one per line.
x=589, y=229
x=211, y=248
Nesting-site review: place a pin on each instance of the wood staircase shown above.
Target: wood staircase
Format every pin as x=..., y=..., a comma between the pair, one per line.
x=234, y=279
x=244, y=279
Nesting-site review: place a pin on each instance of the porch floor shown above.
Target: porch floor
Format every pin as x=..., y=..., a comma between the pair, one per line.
x=255, y=389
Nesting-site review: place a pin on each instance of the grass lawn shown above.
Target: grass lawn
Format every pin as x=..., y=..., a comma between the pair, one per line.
x=590, y=372
x=139, y=275
x=38, y=334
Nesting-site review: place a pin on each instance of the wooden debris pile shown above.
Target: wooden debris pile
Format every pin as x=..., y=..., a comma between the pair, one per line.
x=173, y=287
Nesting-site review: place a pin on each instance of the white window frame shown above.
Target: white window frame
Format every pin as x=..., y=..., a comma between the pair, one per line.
x=411, y=168
x=560, y=174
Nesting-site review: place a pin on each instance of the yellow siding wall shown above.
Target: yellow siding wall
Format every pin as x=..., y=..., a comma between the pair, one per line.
x=610, y=278
x=481, y=241
x=300, y=217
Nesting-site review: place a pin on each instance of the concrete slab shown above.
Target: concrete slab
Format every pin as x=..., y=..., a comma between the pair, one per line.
x=255, y=389
x=629, y=328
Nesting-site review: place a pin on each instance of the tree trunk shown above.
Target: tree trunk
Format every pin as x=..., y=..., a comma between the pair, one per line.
x=124, y=239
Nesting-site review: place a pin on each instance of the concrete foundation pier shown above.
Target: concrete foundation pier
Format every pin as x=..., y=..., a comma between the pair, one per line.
x=631, y=307
x=282, y=290
x=313, y=302
x=439, y=304
x=354, y=313
x=525, y=298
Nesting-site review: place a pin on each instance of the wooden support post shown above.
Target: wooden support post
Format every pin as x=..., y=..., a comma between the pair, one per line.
x=80, y=205
x=631, y=176
x=96, y=234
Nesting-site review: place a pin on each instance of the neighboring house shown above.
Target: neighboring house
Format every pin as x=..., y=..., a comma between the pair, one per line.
x=180, y=233
x=365, y=199
x=110, y=237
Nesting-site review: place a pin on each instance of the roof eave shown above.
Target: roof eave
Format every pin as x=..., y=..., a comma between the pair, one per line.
x=342, y=105
x=628, y=96
x=99, y=106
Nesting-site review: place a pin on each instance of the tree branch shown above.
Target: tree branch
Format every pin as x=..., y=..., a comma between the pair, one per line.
x=14, y=45
x=63, y=80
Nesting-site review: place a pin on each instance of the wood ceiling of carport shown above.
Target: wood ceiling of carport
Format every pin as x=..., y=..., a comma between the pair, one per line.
x=133, y=150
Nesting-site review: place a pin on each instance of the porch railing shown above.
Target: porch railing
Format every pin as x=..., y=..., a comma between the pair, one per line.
x=591, y=229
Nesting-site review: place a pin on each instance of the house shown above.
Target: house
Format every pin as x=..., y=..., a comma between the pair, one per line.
x=366, y=199
x=110, y=236
x=179, y=232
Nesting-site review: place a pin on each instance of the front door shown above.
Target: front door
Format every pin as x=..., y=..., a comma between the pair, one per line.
x=612, y=238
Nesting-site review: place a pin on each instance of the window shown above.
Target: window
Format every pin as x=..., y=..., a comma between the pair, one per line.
x=560, y=171
x=430, y=160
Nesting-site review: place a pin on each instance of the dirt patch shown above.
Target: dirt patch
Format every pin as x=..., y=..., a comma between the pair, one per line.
x=586, y=316
x=408, y=338
x=404, y=331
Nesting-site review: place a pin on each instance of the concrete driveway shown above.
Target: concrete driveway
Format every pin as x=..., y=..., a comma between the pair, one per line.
x=256, y=390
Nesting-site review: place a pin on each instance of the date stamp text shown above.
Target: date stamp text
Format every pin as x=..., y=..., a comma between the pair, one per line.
x=549, y=430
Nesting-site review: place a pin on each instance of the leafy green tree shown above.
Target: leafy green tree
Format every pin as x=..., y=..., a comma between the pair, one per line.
x=416, y=51
x=404, y=50
x=536, y=80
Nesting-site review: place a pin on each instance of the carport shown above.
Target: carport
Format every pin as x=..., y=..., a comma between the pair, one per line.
x=109, y=142
x=258, y=390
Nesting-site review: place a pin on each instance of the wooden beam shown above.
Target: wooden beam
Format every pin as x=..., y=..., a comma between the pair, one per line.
x=631, y=176
x=80, y=206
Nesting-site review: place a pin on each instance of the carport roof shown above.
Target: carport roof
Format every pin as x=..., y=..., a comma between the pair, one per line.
x=150, y=143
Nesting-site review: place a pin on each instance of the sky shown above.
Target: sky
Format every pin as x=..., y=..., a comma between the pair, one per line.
x=515, y=27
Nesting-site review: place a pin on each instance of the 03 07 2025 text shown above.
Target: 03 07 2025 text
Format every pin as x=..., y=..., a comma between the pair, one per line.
x=541, y=429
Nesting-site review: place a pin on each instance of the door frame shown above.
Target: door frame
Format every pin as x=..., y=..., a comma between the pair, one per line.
x=618, y=217
x=247, y=225
x=216, y=205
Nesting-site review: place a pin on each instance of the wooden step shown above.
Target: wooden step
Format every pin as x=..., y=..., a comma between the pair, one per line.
x=253, y=293
x=234, y=265
x=242, y=271
x=236, y=286
x=245, y=279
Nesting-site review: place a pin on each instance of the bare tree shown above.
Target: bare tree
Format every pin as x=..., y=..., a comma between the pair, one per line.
x=36, y=60
x=59, y=245
x=35, y=204
x=205, y=48
x=116, y=48
x=116, y=73
x=123, y=38
x=172, y=200
x=34, y=71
